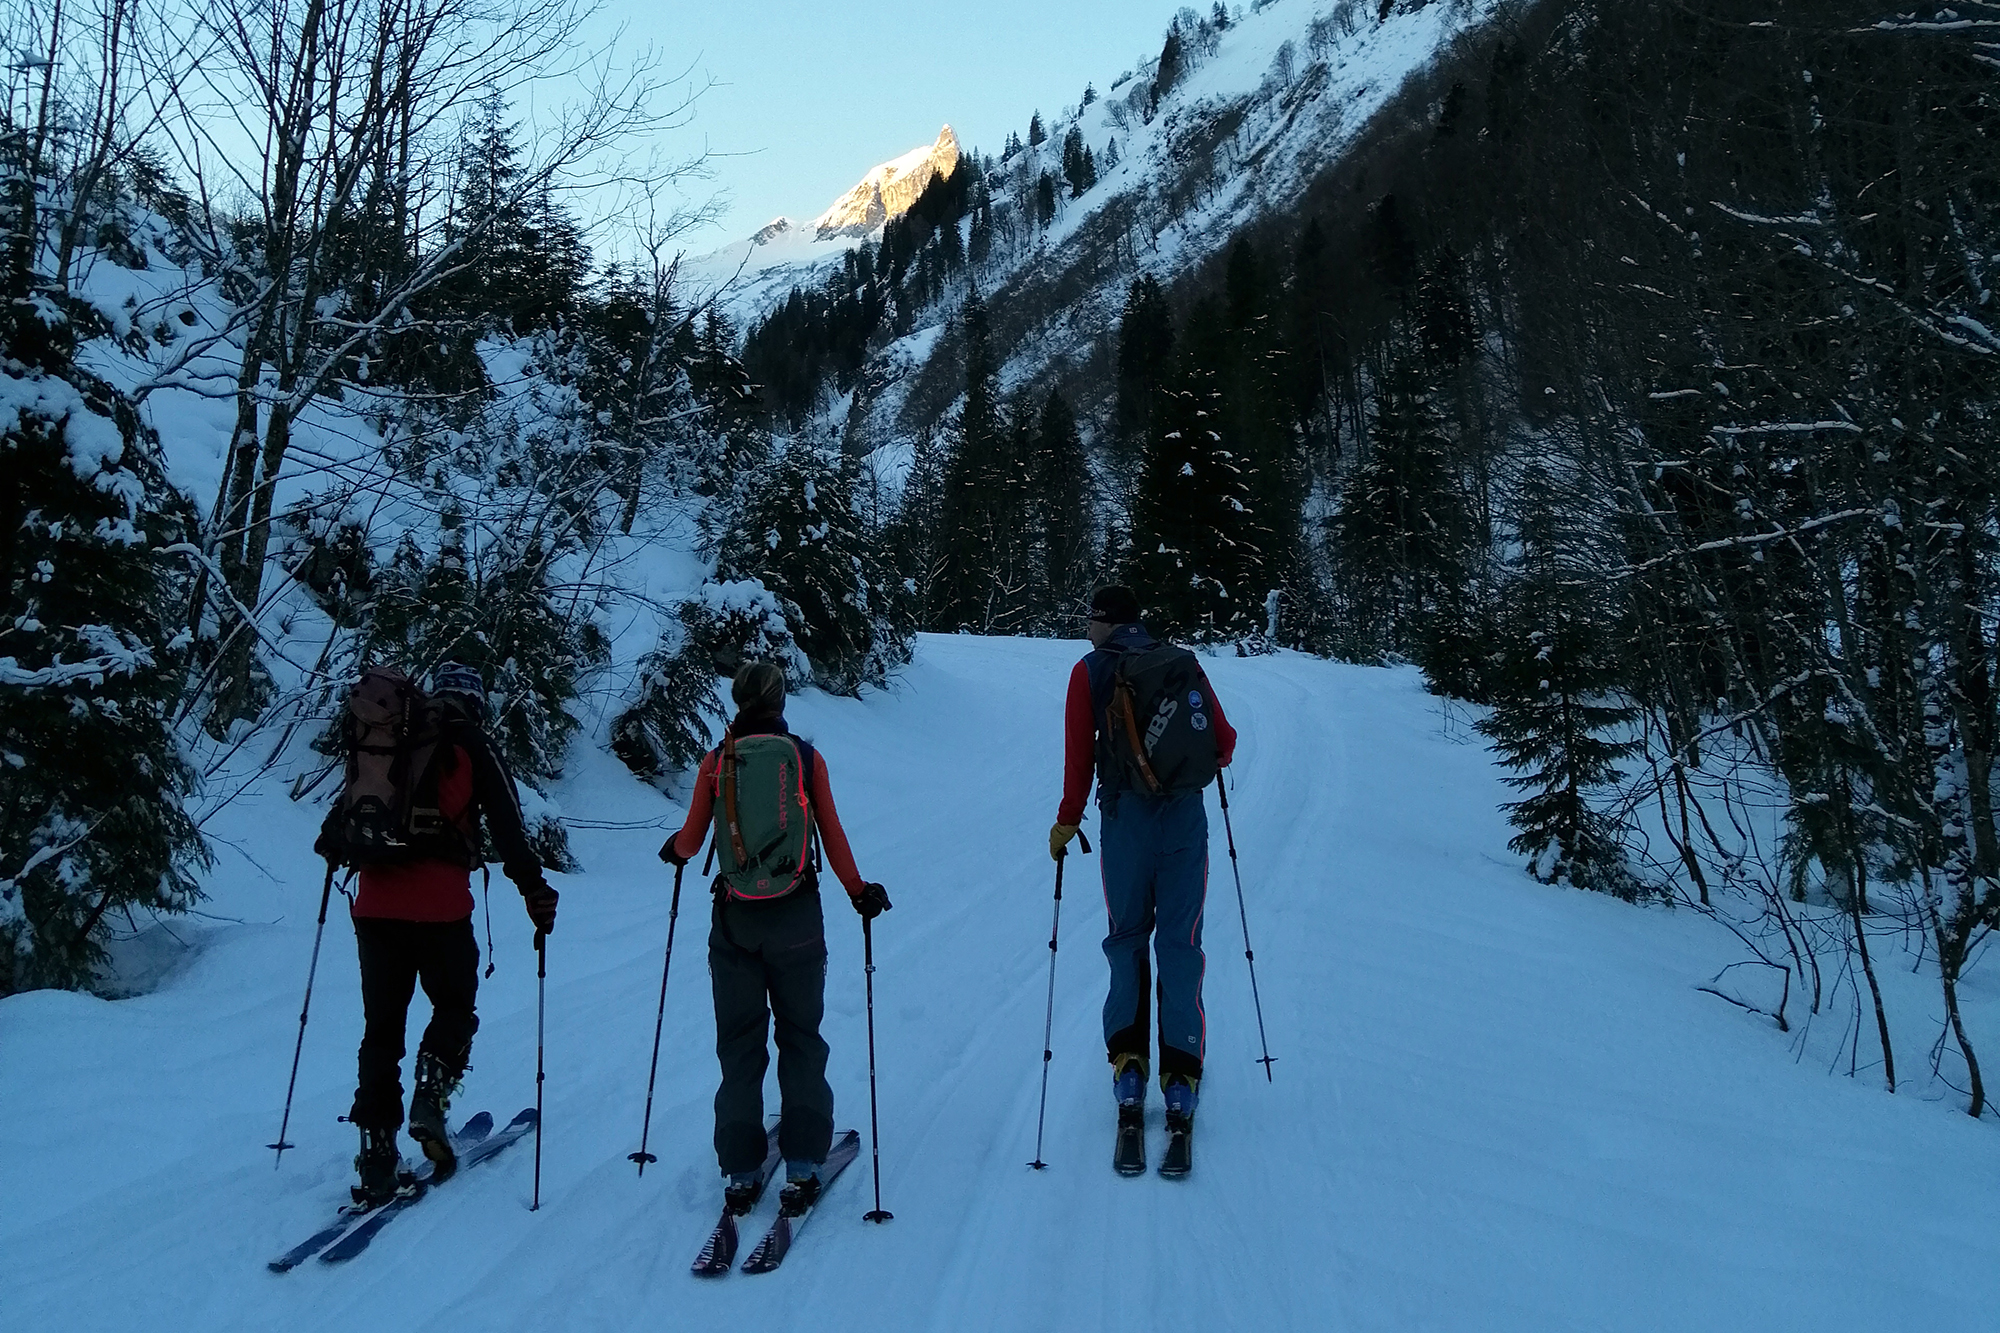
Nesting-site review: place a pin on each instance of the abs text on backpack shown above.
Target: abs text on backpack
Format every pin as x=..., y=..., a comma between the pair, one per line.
x=1162, y=721
x=387, y=811
x=763, y=816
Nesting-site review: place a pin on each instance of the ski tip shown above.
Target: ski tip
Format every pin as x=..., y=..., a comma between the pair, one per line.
x=527, y=1115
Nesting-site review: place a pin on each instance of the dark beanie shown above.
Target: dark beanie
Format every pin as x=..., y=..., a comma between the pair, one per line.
x=1116, y=605
x=759, y=690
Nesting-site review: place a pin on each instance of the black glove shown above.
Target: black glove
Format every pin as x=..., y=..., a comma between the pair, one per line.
x=536, y=894
x=327, y=846
x=670, y=856
x=872, y=901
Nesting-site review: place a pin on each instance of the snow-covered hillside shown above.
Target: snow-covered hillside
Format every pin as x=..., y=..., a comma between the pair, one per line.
x=1258, y=111
x=1496, y=1105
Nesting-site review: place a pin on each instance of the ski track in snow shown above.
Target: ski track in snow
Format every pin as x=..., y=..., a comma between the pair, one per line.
x=1496, y=1105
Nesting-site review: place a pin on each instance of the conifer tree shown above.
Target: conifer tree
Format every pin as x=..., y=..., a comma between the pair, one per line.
x=1168, y=71
x=1402, y=525
x=915, y=539
x=92, y=782
x=799, y=536
x=1145, y=357
x=1554, y=702
x=1194, y=552
x=499, y=611
x=1036, y=134
x=1251, y=366
x=1069, y=532
x=985, y=582
x=1078, y=168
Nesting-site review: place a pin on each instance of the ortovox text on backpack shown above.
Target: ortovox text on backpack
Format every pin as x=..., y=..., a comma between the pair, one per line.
x=763, y=816
x=1162, y=720
x=387, y=810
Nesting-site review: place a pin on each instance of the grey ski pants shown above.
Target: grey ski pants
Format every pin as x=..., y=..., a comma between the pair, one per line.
x=766, y=960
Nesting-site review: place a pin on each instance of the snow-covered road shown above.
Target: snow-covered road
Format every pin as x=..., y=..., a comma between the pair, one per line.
x=1496, y=1106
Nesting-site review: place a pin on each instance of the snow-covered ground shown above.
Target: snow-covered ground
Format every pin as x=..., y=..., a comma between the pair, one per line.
x=1497, y=1106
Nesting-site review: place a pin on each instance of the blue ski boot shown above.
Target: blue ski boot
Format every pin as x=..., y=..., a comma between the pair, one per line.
x=1128, y=1084
x=1181, y=1096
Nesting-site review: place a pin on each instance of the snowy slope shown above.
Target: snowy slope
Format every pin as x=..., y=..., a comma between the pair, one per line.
x=1497, y=1106
x=1282, y=96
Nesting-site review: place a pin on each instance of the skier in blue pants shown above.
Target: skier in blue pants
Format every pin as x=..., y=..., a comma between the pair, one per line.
x=1155, y=867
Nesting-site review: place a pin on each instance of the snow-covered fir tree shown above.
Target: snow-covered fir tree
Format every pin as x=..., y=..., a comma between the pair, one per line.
x=93, y=783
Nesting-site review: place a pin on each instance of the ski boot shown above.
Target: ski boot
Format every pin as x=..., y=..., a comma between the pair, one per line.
x=1128, y=1082
x=1180, y=1092
x=800, y=1193
x=380, y=1167
x=430, y=1105
x=740, y=1195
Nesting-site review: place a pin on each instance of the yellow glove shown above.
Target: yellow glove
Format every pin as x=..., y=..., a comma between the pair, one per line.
x=1059, y=837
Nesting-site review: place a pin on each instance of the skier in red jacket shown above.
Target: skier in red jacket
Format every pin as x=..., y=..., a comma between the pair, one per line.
x=1155, y=866
x=413, y=922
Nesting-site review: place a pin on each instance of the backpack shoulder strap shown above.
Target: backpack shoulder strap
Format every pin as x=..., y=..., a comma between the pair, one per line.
x=727, y=777
x=1124, y=718
x=808, y=766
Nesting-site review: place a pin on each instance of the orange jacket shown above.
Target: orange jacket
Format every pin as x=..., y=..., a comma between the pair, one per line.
x=701, y=814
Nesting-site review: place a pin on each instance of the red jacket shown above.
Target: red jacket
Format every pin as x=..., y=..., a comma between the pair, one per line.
x=833, y=838
x=425, y=890
x=475, y=787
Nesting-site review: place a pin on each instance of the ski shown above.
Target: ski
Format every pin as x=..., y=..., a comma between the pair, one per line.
x=718, y=1256
x=356, y=1240
x=1128, y=1157
x=777, y=1242
x=1179, y=1158
x=350, y=1214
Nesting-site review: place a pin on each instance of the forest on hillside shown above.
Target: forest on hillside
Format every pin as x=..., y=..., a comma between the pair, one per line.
x=1632, y=376
x=1635, y=378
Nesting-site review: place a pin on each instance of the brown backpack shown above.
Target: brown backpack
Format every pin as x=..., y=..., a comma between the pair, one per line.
x=387, y=810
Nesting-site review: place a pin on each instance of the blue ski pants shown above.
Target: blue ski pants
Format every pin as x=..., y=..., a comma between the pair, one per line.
x=1155, y=867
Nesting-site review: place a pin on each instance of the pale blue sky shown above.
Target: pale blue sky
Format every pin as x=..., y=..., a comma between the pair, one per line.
x=812, y=93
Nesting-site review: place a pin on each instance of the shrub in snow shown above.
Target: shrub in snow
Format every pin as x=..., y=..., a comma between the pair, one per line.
x=92, y=782
x=798, y=535
x=496, y=611
x=665, y=729
x=737, y=621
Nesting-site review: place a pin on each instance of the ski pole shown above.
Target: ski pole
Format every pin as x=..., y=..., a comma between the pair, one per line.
x=878, y=1214
x=312, y=971
x=645, y=1130
x=1244, y=917
x=541, y=994
x=1049, y=1021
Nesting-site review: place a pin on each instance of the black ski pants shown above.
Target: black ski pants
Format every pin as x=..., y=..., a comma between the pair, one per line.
x=765, y=960
x=395, y=955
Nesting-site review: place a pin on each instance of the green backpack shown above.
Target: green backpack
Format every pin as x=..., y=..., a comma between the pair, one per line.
x=763, y=816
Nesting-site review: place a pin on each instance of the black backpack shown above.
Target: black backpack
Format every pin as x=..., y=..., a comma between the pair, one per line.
x=1162, y=720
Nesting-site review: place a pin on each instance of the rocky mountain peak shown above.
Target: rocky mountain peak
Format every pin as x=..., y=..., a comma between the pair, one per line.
x=890, y=189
